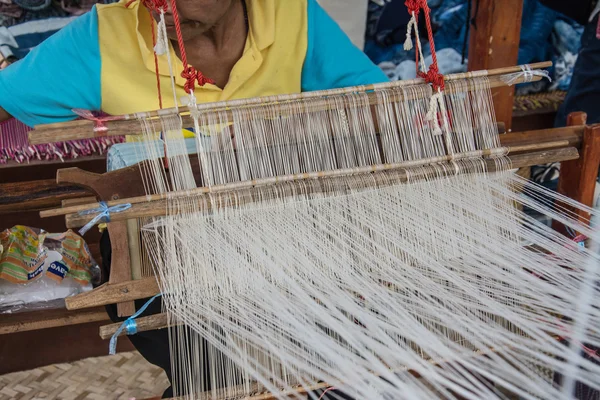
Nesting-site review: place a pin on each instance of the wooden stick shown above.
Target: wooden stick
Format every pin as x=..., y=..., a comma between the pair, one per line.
x=52, y=133
x=289, y=178
x=321, y=93
x=144, y=324
x=114, y=294
x=44, y=319
x=129, y=124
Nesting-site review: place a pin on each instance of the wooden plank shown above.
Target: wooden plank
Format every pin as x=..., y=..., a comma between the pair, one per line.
x=16, y=197
x=493, y=43
x=578, y=178
x=78, y=201
x=572, y=134
x=114, y=294
x=120, y=263
x=44, y=319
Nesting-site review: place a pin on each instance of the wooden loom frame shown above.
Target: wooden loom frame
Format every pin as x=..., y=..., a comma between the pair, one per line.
x=493, y=43
x=529, y=148
x=577, y=147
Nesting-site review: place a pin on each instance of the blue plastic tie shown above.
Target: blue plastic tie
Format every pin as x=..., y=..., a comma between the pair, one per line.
x=129, y=325
x=103, y=214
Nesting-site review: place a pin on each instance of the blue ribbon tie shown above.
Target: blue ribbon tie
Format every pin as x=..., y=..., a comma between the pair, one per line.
x=102, y=215
x=129, y=325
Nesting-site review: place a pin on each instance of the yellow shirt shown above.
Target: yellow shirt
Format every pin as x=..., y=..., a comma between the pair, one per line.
x=271, y=63
x=104, y=61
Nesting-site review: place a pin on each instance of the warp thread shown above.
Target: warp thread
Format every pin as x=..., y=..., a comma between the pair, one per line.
x=103, y=214
x=129, y=325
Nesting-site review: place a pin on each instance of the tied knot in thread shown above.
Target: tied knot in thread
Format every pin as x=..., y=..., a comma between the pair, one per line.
x=191, y=76
x=129, y=326
x=436, y=80
x=102, y=214
x=99, y=126
x=526, y=73
x=157, y=6
x=413, y=7
x=434, y=77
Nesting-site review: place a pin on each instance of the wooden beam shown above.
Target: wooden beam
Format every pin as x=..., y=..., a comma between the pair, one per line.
x=494, y=42
x=43, y=319
x=36, y=195
x=114, y=294
x=120, y=263
x=156, y=205
x=144, y=324
x=578, y=178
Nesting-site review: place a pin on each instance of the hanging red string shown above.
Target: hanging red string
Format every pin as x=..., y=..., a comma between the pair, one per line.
x=433, y=75
x=157, y=6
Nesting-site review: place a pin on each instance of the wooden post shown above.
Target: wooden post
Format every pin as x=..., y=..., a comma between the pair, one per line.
x=493, y=43
x=111, y=186
x=578, y=177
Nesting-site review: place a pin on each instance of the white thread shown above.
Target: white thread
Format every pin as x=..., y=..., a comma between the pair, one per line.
x=408, y=45
x=352, y=280
x=164, y=38
x=526, y=73
x=162, y=45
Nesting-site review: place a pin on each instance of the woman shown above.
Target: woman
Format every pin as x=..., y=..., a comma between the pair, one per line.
x=105, y=61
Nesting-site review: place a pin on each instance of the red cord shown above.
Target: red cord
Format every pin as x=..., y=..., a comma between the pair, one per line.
x=432, y=76
x=325, y=392
x=189, y=73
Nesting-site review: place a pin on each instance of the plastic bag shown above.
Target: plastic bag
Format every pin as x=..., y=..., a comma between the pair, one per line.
x=39, y=270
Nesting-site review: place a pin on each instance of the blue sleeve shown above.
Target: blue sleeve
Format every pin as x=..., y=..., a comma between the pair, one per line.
x=60, y=74
x=332, y=60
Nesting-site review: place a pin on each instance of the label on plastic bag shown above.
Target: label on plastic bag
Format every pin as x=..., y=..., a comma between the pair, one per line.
x=57, y=270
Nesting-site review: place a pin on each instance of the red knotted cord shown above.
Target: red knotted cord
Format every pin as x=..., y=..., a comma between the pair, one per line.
x=190, y=74
x=432, y=76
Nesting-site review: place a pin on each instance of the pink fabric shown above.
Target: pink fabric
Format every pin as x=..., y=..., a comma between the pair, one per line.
x=15, y=146
x=598, y=30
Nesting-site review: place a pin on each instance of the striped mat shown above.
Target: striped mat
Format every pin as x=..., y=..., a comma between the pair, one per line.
x=14, y=145
x=122, y=376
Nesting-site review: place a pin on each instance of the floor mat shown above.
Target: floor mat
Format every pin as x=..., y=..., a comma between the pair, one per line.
x=122, y=376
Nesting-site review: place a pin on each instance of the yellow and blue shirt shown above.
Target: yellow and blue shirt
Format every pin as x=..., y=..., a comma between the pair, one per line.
x=104, y=60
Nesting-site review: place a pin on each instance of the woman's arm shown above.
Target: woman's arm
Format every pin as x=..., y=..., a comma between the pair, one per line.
x=332, y=61
x=60, y=74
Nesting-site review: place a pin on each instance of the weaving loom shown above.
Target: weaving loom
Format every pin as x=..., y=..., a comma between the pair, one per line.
x=370, y=239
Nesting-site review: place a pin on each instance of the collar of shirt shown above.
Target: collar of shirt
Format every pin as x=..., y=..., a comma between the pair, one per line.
x=261, y=35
